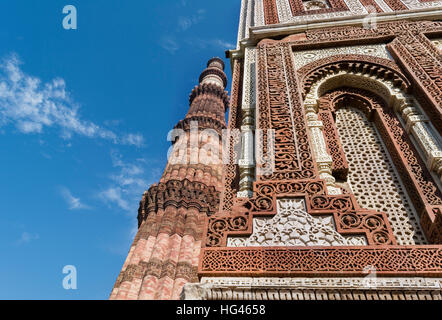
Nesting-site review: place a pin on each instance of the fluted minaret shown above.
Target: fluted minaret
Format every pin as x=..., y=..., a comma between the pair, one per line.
x=164, y=255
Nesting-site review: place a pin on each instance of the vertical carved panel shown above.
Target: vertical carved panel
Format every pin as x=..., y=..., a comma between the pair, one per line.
x=230, y=171
x=280, y=109
x=425, y=71
x=270, y=12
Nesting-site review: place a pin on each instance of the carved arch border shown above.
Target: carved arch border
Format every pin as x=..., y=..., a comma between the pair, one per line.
x=356, y=64
x=385, y=79
x=418, y=181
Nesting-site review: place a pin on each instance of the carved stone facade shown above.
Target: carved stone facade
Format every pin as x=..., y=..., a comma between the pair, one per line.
x=378, y=181
x=334, y=172
x=259, y=13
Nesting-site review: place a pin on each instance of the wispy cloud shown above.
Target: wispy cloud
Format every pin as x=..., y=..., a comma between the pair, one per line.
x=173, y=41
x=185, y=23
x=32, y=106
x=115, y=195
x=128, y=183
x=133, y=139
x=73, y=202
x=210, y=43
x=27, y=237
x=170, y=44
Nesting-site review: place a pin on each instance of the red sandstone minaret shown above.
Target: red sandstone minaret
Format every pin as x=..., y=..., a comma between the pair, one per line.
x=164, y=255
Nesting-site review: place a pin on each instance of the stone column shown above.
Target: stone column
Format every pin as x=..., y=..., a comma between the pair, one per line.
x=247, y=162
x=323, y=159
x=418, y=125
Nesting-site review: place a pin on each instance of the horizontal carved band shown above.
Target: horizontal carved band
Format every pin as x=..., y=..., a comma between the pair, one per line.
x=216, y=72
x=203, y=123
x=179, y=193
x=314, y=288
x=210, y=89
x=322, y=261
x=158, y=269
x=320, y=294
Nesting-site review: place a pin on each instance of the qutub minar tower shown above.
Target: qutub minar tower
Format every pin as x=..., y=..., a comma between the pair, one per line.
x=332, y=185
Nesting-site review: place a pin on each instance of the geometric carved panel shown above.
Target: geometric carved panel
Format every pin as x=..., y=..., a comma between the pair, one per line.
x=373, y=177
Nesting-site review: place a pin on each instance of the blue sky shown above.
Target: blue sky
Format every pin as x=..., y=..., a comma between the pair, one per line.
x=84, y=116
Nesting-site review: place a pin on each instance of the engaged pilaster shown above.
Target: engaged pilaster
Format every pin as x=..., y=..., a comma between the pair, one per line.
x=247, y=163
x=323, y=159
x=419, y=126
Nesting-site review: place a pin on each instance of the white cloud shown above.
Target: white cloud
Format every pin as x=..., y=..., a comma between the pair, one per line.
x=133, y=139
x=73, y=202
x=173, y=43
x=32, y=106
x=127, y=184
x=27, y=237
x=222, y=44
x=210, y=43
x=170, y=44
x=185, y=23
x=115, y=195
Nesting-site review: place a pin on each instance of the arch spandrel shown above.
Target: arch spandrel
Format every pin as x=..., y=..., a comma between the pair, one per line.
x=343, y=79
x=375, y=68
